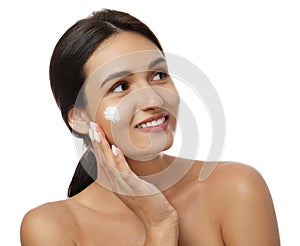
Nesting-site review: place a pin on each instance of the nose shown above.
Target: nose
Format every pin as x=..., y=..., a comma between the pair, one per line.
x=149, y=98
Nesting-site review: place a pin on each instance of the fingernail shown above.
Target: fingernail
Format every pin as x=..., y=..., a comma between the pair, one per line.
x=94, y=135
x=114, y=150
x=91, y=134
x=93, y=125
x=97, y=137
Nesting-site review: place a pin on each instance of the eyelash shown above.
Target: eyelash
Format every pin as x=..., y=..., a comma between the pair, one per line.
x=165, y=74
x=120, y=83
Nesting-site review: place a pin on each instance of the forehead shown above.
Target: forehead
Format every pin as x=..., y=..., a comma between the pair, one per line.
x=118, y=47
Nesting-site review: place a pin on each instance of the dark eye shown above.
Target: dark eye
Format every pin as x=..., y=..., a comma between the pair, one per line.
x=160, y=76
x=122, y=86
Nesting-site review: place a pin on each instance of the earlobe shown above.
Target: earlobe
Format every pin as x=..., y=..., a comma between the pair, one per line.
x=79, y=121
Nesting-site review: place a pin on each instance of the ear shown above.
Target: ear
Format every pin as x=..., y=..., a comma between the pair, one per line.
x=79, y=121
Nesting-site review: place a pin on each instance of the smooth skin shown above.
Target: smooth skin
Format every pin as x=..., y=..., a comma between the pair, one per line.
x=233, y=206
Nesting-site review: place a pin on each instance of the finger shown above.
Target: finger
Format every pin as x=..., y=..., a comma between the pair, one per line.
x=101, y=146
x=113, y=155
x=106, y=159
x=121, y=163
x=104, y=145
x=95, y=143
x=137, y=185
x=104, y=177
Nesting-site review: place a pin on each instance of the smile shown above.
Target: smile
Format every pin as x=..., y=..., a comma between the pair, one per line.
x=153, y=123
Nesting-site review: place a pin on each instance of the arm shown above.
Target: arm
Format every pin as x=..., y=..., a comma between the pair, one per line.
x=248, y=212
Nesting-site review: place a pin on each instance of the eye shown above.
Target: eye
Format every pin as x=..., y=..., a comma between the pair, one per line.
x=160, y=76
x=120, y=87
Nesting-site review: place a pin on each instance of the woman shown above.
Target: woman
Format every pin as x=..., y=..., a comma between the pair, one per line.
x=110, y=80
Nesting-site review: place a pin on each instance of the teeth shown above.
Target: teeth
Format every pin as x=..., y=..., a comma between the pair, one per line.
x=152, y=123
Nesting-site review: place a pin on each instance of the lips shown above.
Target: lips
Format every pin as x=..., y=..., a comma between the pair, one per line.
x=157, y=121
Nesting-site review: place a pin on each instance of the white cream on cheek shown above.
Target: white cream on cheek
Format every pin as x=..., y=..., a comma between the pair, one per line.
x=112, y=114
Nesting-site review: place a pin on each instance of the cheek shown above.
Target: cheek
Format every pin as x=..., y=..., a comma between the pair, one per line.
x=174, y=96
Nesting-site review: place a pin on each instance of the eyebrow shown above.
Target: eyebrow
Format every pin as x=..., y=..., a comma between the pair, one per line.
x=116, y=75
x=123, y=74
x=156, y=61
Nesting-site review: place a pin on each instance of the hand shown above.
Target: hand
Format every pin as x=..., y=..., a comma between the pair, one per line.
x=144, y=199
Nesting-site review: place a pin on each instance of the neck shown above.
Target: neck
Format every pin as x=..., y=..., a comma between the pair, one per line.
x=92, y=196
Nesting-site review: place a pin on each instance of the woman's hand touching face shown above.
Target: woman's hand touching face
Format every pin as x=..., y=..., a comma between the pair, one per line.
x=144, y=199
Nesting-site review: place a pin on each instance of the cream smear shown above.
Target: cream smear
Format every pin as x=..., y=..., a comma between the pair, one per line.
x=112, y=114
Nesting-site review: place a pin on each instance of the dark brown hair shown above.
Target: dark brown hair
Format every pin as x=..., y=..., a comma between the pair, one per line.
x=67, y=76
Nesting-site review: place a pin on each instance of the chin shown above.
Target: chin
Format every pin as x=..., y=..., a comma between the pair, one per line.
x=149, y=153
x=168, y=145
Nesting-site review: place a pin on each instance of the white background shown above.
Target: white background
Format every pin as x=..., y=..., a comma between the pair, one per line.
x=249, y=50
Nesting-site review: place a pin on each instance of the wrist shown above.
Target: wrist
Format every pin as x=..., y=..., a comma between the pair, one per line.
x=165, y=233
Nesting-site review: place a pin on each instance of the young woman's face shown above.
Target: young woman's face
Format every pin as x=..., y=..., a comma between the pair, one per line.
x=131, y=96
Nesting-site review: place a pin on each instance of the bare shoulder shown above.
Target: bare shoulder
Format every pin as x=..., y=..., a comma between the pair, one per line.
x=244, y=204
x=233, y=181
x=47, y=224
x=240, y=175
x=227, y=175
